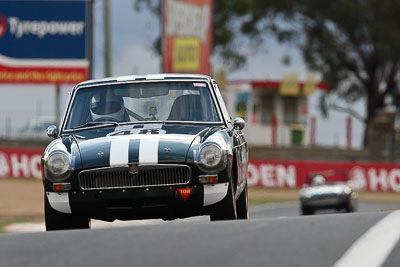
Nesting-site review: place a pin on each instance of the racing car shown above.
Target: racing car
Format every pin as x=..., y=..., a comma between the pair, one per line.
x=145, y=147
x=319, y=193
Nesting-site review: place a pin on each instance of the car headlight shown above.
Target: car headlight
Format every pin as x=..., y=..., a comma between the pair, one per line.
x=210, y=155
x=306, y=193
x=211, y=158
x=347, y=190
x=57, y=166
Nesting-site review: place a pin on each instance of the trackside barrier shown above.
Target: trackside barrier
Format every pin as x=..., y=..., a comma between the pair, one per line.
x=25, y=163
x=17, y=162
x=292, y=173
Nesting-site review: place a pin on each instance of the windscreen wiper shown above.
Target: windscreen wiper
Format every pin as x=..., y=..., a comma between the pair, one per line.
x=95, y=123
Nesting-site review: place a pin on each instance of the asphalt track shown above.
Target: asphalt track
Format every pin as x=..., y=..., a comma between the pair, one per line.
x=274, y=236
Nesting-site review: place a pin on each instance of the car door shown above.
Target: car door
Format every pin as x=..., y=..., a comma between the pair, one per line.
x=239, y=142
x=242, y=156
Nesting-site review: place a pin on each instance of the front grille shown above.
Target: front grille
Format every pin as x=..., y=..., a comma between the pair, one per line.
x=147, y=175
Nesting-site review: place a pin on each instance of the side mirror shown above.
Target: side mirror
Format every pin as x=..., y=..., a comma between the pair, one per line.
x=239, y=123
x=52, y=131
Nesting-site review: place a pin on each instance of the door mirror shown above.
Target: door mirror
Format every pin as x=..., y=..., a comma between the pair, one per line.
x=52, y=131
x=239, y=123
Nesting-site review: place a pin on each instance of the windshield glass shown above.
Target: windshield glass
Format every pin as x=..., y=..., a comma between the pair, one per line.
x=164, y=101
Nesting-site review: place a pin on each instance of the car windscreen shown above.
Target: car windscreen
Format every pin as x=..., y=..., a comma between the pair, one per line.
x=150, y=101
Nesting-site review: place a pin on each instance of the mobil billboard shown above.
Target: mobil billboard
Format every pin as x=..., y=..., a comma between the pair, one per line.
x=187, y=35
x=43, y=42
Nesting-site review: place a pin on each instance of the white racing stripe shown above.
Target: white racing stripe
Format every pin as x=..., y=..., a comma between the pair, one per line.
x=148, y=147
x=148, y=150
x=119, y=151
x=155, y=77
x=126, y=78
x=373, y=248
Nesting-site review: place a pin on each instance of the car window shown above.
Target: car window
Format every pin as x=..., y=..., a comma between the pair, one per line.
x=166, y=101
x=222, y=105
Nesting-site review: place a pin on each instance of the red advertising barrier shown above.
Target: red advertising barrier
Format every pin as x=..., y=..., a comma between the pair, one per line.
x=16, y=162
x=292, y=173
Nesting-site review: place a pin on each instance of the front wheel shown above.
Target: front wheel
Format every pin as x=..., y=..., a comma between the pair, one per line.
x=242, y=205
x=350, y=207
x=305, y=210
x=55, y=220
x=226, y=209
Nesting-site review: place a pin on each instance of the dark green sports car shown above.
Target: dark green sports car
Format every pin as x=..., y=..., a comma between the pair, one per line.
x=144, y=147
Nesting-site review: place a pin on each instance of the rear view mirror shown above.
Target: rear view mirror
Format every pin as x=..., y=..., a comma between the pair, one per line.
x=52, y=131
x=239, y=123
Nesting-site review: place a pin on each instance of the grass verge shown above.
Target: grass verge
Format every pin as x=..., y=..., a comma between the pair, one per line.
x=261, y=195
x=7, y=221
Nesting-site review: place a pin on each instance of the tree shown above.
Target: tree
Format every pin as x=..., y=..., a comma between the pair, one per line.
x=354, y=44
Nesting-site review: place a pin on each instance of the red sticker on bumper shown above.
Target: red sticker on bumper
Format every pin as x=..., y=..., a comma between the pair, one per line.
x=185, y=192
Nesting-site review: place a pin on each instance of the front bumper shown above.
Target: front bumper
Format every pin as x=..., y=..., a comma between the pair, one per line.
x=325, y=201
x=167, y=202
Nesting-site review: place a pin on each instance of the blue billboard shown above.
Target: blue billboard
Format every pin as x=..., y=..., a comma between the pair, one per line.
x=41, y=36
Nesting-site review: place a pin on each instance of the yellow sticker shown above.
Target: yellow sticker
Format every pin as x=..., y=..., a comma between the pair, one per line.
x=186, y=54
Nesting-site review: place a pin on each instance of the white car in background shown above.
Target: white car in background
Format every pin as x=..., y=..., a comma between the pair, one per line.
x=320, y=193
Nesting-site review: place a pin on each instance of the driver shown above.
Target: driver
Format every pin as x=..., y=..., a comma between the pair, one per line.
x=318, y=180
x=107, y=107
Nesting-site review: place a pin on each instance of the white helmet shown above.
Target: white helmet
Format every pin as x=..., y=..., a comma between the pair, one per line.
x=107, y=107
x=318, y=180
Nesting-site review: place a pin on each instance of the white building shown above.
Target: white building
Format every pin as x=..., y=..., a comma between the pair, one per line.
x=273, y=110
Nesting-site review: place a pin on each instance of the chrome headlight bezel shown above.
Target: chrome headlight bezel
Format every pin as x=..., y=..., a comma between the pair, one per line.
x=306, y=192
x=347, y=190
x=211, y=158
x=60, y=172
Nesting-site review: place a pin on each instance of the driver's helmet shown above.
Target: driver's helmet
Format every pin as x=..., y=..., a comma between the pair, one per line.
x=107, y=107
x=318, y=180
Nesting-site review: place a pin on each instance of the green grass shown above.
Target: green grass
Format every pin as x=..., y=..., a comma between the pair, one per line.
x=8, y=221
x=253, y=202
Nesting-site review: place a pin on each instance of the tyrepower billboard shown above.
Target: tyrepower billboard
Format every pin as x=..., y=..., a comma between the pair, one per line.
x=187, y=35
x=43, y=42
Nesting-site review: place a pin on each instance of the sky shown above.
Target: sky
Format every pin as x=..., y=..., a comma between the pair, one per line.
x=132, y=37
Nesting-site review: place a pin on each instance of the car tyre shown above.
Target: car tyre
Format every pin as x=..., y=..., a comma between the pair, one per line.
x=55, y=220
x=242, y=205
x=226, y=209
x=305, y=210
x=350, y=207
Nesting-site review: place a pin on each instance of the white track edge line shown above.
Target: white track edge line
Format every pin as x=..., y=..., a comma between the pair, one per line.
x=373, y=247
